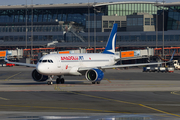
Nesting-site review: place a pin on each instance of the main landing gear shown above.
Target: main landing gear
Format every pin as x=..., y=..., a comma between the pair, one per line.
x=60, y=80
x=98, y=82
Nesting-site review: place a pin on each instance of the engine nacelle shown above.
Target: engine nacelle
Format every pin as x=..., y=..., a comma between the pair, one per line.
x=94, y=75
x=38, y=77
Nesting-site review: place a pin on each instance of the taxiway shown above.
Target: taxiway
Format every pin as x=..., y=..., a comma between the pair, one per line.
x=122, y=92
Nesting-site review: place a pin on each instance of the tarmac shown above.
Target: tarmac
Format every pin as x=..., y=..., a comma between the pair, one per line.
x=123, y=94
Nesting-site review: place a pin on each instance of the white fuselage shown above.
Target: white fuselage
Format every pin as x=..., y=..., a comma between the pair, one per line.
x=68, y=64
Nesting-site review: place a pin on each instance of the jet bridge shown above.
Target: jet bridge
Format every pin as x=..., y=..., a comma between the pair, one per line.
x=18, y=53
x=136, y=54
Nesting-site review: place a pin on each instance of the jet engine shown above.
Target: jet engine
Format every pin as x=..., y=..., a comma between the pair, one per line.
x=38, y=77
x=94, y=75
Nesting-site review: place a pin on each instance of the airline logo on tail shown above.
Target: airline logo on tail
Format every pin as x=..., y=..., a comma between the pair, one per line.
x=110, y=47
x=172, y=55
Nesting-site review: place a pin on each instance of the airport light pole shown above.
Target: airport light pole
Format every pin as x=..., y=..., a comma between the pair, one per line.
x=163, y=29
x=32, y=57
x=26, y=24
x=88, y=26
x=94, y=28
x=157, y=25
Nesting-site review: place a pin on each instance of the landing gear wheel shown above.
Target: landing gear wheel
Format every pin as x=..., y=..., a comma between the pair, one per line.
x=49, y=82
x=62, y=80
x=58, y=80
x=98, y=82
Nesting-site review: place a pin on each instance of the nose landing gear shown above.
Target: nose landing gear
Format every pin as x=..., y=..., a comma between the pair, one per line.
x=50, y=82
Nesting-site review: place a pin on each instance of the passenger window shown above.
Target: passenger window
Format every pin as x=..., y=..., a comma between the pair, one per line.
x=40, y=61
x=51, y=61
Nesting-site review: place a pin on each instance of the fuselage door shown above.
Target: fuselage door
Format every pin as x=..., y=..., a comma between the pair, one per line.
x=81, y=58
x=58, y=62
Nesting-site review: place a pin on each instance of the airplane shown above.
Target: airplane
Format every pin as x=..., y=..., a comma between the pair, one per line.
x=91, y=65
x=167, y=59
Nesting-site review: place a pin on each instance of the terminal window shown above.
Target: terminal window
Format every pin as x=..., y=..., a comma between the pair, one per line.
x=105, y=24
x=147, y=21
x=111, y=24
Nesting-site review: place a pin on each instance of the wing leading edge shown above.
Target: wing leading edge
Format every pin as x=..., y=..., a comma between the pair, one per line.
x=17, y=63
x=22, y=64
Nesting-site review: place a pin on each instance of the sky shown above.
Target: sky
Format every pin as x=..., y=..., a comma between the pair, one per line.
x=20, y=2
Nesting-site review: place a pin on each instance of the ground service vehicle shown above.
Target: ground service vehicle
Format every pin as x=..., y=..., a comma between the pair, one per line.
x=176, y=64
x=10, y=65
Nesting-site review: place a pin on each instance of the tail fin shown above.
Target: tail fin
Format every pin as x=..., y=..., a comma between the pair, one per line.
x=110, y=47
x=172, y=56
x=5, y=59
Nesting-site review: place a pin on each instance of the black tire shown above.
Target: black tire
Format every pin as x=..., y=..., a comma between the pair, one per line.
x=49, y=82
x=57, y=81
x=98, y=82
x=62, y=80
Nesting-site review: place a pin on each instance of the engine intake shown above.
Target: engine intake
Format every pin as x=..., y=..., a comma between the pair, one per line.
x=94, y=75
x=38, y=77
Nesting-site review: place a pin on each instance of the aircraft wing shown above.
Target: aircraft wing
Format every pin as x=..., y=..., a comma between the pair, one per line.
x=23, y=64
x=118, y=66
x=17, y=63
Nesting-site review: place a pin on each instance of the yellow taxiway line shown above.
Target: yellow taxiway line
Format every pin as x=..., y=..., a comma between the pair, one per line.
x=160, y=111
x=12, y=76
x=1, y=98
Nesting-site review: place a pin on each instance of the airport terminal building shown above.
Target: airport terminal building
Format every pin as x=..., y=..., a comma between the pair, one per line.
x=89, y=24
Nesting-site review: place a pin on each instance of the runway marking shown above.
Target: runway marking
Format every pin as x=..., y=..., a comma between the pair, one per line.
x=107, y=80
x=159, y=110
x=127, y=103
x=12, y=76
x=3, y=98
x=57, y=87
x=64, y=108
x=121, y=102
x=175, y=92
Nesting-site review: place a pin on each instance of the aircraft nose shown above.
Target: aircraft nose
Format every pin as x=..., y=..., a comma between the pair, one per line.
x=40, y=68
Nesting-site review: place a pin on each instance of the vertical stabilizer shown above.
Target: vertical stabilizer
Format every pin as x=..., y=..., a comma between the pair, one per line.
x=6, y=55
x=111, y=44
x=172, y=55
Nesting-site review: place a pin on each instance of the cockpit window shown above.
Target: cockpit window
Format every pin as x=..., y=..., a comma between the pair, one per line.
x=44, y=61
x=50, y=61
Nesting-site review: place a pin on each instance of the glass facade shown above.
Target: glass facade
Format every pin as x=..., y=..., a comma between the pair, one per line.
x=90, y=24
x=36, y=28
x=13, y=23
x=147, y=21
x=173, y=18
x=124, y=9
x=44, y=15
x=134, y=21
x=35, y=38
